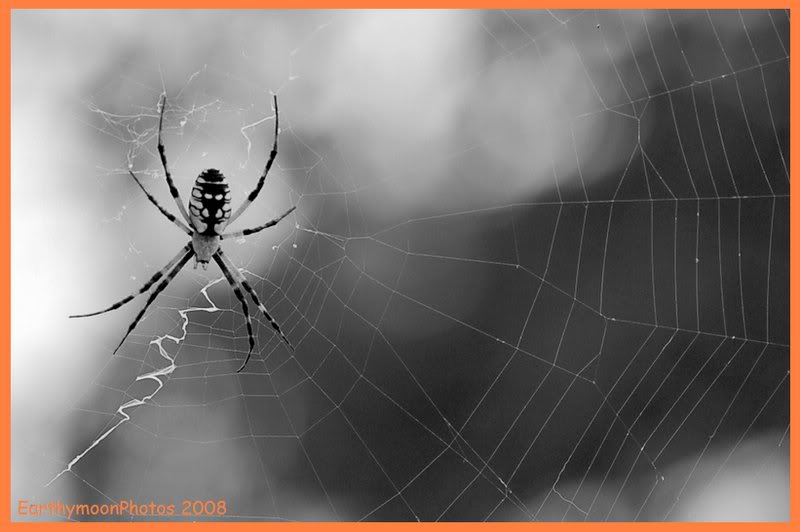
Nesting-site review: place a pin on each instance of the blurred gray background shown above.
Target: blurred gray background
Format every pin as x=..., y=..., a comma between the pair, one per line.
x=538, y=268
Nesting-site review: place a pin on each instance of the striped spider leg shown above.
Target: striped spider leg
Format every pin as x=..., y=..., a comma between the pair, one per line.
x=170, y=270
x=210, y=215
x=165, y=212
x=237, y=281
x=173, y=190
x=158, y=275
x=272, y=154
x=160, y=288
x=245, y=232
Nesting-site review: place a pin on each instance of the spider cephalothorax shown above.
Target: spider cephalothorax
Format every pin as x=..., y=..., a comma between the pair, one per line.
x=210, y=215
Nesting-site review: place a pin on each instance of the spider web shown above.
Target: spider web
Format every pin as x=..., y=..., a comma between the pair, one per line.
x=538, y=270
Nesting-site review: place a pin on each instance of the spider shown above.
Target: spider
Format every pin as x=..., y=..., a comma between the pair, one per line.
x=209, y=214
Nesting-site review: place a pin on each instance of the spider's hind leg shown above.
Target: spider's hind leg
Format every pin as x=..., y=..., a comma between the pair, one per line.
x=163, y=155
x=272, y=154
x=164, y=211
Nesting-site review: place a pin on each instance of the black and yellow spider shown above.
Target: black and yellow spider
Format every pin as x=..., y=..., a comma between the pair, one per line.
x=210, y=214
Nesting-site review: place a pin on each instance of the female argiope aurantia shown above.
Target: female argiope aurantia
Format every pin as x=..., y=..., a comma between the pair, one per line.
x=210, y=215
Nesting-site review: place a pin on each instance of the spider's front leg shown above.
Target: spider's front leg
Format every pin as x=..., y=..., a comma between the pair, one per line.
x=158, y=275
x=237, y=281
x=238, y=292
x=160, y=288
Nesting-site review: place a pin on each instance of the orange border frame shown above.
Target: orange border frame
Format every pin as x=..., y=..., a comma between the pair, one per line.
x=5, y=250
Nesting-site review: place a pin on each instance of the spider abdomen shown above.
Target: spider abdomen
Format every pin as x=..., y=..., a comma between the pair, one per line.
x=209, y=206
